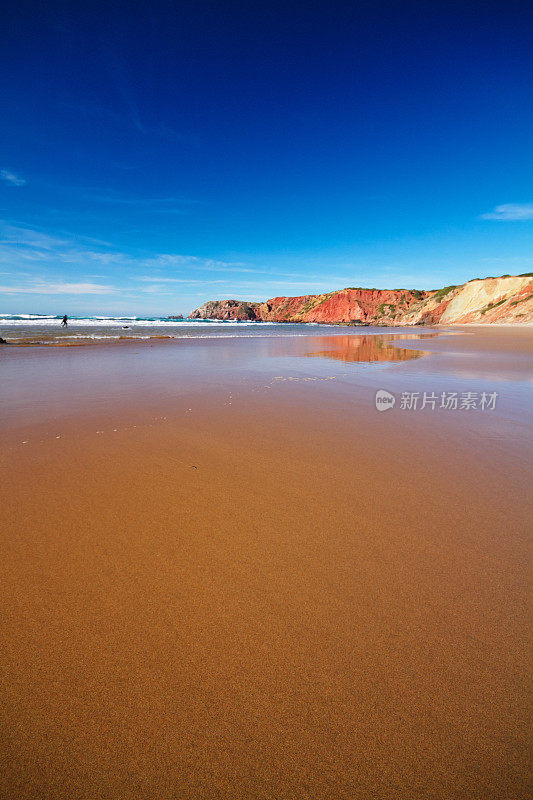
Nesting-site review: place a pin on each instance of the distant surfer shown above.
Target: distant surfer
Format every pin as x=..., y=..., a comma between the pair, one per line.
x=64, y=322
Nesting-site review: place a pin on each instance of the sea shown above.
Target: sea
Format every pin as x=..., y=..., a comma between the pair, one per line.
x=42, y=329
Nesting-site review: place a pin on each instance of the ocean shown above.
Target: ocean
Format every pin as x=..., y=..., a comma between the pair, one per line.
x=46, y=329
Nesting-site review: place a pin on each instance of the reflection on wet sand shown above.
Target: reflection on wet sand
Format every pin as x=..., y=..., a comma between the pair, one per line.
x=364, y=348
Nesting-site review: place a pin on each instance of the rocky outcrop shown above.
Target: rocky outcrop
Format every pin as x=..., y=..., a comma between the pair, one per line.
x=226, y=309
x=508, y=299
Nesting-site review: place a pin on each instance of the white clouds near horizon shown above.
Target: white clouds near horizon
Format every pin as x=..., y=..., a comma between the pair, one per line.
x=37, y=262
x=63, y=264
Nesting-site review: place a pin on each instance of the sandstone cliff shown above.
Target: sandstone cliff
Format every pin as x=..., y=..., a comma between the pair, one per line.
x=508, y=299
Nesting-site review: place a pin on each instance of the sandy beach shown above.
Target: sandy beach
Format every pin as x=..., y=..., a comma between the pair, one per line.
x=225, y=574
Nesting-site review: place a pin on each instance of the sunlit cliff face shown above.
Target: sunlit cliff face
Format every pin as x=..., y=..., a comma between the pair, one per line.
x=480, y=301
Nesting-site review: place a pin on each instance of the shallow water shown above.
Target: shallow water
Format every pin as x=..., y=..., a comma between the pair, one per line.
x=48, y=382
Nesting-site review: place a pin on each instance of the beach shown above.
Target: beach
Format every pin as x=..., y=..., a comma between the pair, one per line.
x=226, y=574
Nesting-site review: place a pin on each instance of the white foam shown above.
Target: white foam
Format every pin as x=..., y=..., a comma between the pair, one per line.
x=29, y=320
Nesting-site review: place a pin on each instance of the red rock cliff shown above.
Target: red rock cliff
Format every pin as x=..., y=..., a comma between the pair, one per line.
x=489, y=300
x=346, y=305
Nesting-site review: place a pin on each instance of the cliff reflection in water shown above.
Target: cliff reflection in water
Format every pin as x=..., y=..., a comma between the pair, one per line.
x=364, y=348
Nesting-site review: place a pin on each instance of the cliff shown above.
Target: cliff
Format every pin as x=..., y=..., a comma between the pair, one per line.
x=508, y=299
x=226, y=309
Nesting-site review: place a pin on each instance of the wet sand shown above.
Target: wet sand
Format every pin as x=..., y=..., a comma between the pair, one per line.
x=231, y=577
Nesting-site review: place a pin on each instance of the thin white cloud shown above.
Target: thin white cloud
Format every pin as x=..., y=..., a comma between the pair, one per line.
x=154, y=290
x=180, y=261
x=11, y=178
x=63, y=287
x=130, y=118
x=155, y=280
x=17, y=235
x=156, y=205
x=510, y=212
x=176, y=261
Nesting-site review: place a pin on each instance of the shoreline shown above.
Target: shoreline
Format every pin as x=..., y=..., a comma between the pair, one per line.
x=111, y=339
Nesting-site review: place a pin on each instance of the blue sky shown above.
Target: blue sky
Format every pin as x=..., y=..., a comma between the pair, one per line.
x=157, y=155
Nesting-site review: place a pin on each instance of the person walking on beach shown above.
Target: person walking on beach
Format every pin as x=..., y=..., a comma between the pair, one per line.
x=64, y=322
